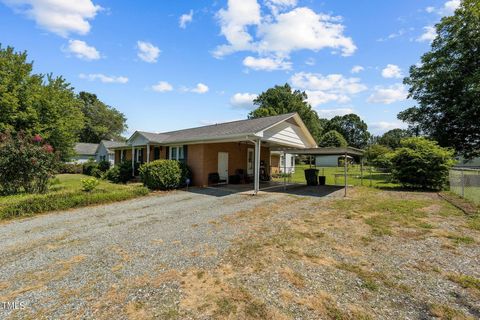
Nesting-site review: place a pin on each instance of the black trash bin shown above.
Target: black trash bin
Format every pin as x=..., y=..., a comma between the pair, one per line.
x=322, y=180
x=311, y=177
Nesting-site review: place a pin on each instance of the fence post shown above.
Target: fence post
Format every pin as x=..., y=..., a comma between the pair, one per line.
x=463, y=184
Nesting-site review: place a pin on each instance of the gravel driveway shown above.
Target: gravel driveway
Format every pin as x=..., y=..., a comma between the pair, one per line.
x=62, y=264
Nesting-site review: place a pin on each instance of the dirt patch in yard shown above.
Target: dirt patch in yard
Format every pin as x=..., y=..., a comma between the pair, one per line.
x=374, y=255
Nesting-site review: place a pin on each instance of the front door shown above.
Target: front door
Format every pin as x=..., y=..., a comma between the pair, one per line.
x=223, y=165
x=250, y=157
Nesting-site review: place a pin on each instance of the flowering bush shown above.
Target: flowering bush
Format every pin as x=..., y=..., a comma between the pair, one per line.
x=26, y=163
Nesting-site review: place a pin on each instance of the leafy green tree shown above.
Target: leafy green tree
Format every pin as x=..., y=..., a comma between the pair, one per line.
x=352, y=128
x=332, y=139
x=281, y=100
x=446, y=84
x=102, y=122
x=37, y=104
x=377, y=156
x=391, y=138
x=421, y=163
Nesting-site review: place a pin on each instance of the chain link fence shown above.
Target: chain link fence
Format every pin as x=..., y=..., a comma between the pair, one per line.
x=466, y=183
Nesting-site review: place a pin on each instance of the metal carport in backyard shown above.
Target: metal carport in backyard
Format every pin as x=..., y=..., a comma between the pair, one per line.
x=330, y=151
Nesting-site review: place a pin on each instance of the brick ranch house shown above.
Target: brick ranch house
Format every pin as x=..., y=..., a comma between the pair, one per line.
x=222, y=149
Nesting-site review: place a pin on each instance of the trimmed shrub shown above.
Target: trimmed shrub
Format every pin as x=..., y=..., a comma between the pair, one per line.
x=88, y=184
x=161, y=174
x=26, y=164
x=70, y=168
x=113, y=174
x=125, y=171
x=104, y=165
x=421, y=163
x=89, y=166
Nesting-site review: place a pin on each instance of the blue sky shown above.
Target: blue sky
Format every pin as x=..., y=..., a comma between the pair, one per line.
x=175, y=64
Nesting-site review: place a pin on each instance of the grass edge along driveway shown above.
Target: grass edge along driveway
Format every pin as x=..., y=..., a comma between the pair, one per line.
x=65, y=192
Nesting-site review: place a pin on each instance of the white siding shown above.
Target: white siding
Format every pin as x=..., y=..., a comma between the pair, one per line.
x=326, y=161
x=138, y=140
x=286, y=134
x=103, y=152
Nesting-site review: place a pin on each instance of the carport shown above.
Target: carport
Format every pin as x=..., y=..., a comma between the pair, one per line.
x=330, y=151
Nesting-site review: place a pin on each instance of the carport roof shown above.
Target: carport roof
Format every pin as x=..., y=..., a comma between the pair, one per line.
x=326, y=151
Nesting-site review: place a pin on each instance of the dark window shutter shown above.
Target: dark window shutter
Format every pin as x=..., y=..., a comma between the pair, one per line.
x=167, y=153
x=185, y=153
x=156, y=153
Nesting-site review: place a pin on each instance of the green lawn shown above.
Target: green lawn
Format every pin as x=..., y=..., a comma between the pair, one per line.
x=65, y=192
x=335, y=175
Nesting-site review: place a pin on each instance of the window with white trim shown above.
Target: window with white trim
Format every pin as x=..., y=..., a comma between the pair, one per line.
x=176, y=153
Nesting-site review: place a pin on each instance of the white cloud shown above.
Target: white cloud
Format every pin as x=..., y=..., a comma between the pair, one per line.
x=383, y=126
x=103, y=78
x=162, y=86
x=357, y=69
x=185, y=19
x=277, y=6
x=392, y=71
x=82, y=50
x=200, y=88
x=147, y=51
x=330, y=113
x=58, y=16
x=447, y=9
x=429, y=34
x=234, y=22
x=278, y=34
x=322, y=89
x=243, y=100
x=388, y=95
x=267, y=64
x=302, y=28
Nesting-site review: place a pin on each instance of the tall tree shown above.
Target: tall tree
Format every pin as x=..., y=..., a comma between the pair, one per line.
x=446, y=84
x=282, y=99
x=35, y=104
x=352, y=128
x=332, y=139
x=391, y=138
x=102, y=122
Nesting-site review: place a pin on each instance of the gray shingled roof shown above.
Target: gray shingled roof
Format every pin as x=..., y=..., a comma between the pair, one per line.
x=88, y=149
x=113, y=144
x=217, y=131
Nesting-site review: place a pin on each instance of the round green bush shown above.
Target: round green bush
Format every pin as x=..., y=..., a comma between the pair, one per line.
x=104, y=165
x=113, y=174
x=161, y=174
x=421, y=163
x=89, y=166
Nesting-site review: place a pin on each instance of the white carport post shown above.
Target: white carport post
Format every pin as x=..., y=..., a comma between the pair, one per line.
x=133, y=161
x=256, y=179
x=285, y=170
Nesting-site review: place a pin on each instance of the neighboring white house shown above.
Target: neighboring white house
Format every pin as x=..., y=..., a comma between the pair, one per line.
x=105, y=152
x=84, y=152
x=96, y=151
x=330, y=160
